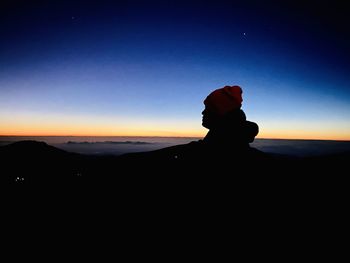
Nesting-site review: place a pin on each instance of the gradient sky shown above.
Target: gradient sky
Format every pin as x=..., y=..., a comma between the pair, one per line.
x=145, y=67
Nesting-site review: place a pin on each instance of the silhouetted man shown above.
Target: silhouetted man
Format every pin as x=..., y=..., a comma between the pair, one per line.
x=228, y=137
x=227, y=124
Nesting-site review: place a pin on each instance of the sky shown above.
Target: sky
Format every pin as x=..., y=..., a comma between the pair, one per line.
x=143, y=68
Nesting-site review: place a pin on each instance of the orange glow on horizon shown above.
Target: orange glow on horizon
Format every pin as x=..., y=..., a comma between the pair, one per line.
x=139, y=133
x=304, y=135
x=131, y=134
x=76, y=127
x=100, y=131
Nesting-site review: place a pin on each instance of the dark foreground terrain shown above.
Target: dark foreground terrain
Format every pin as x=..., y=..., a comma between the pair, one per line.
x=279, y=197
x=36, y=163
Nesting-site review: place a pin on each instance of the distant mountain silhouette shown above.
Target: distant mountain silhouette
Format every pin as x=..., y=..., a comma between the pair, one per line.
x=37, y=162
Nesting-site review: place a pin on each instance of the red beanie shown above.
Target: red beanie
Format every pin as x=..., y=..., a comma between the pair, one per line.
x=224, y=99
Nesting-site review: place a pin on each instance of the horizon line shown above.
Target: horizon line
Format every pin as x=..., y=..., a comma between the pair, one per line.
x=161, y=136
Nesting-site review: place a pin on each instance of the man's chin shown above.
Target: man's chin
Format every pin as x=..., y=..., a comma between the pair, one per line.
x=205, y=125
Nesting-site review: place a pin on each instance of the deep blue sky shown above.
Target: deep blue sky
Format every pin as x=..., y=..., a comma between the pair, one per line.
x=144, y=67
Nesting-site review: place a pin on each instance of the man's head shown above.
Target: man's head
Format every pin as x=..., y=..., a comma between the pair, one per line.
x=224, y=99
x=220, y=102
